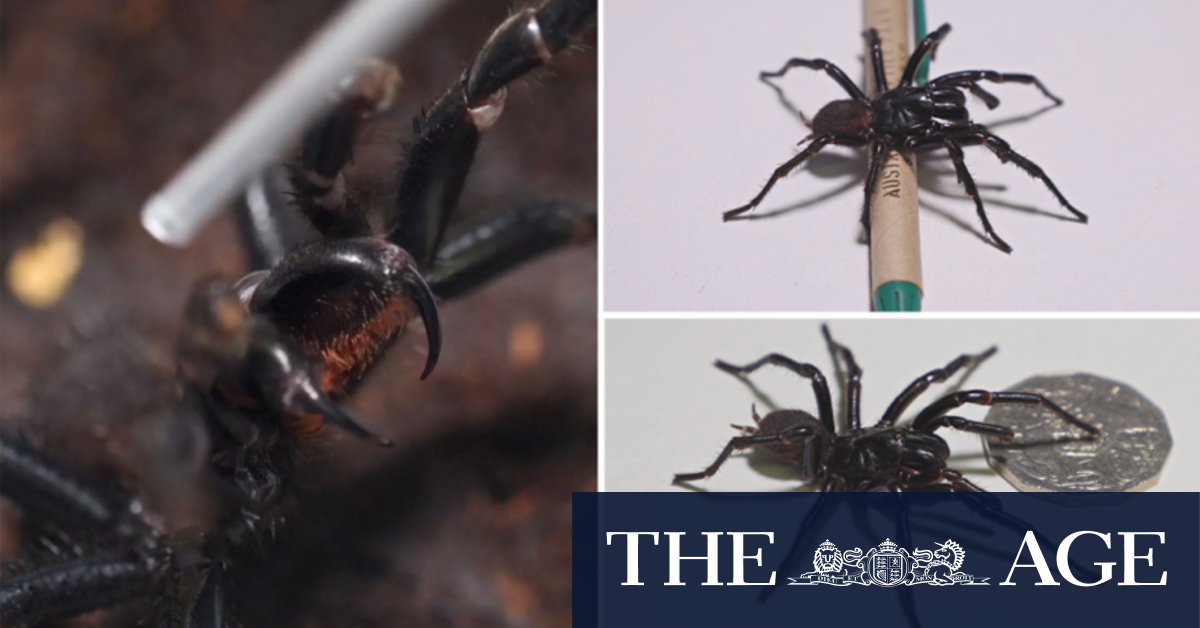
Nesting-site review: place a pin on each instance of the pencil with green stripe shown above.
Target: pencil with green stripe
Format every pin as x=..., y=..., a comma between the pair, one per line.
x=896, y=284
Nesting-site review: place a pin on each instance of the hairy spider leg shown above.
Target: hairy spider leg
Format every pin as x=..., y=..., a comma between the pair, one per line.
x=315, y=185
x=820, y=386
x=922, y=383
x=317, y=182
x=853, y=391
x=60, y=590
x=44, y=490
x=878, y=157
x=876, y=46
x=968, y=182
x=966, y=425
x=447, y=135
x=971, y=77
x=782, y=171
x=980, y=135
x=927, y=46
x=499, y=241
x=832, y=70
x=815, y=64
x=477, y=253
x=929, y=418
x=975, y=134
x=738, y=443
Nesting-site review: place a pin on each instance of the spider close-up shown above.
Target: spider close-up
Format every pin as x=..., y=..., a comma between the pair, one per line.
x=157, y=461
x=886, y=456
x=909, y=119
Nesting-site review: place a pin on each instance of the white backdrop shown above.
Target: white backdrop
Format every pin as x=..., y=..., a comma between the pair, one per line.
x=689, y=132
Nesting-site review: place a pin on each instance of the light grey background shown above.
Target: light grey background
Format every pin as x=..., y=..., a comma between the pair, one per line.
x=668, y=410
x=691, y=132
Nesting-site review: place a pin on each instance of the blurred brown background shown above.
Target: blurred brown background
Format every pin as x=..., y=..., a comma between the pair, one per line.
x=467, y=521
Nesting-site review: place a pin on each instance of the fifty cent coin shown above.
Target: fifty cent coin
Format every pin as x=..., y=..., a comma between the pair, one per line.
x=1047, y=454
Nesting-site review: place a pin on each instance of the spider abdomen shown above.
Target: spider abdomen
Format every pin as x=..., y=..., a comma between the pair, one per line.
x=806, y=439
x=843, y=117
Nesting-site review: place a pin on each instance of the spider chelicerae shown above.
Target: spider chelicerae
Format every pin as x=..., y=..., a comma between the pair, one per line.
x=909, y=119
x=884, y=457
x=264, y=363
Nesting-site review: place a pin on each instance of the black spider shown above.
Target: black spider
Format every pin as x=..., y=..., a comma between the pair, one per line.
x=262, y=362
x=885, y=457
x=910, y=120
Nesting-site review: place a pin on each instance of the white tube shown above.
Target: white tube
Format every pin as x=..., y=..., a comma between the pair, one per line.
x=277, y=115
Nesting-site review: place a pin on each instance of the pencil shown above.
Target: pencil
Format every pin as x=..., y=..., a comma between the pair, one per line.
x=896, y=284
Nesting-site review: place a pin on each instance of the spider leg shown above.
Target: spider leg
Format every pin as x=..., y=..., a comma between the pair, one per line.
x=266, y=214
x=40, y=488
x=968, y=182
x=780, y=172
x=927, y=46
x=787, y=104
x=832, y=70
x=853, y=378
x=879, y=156
x=501, y=241
x=970, y=77
x=939, y=408
x=447, y=135
x=267, y=225
x=72, y=588
x=738, y=443
x=966, y=425
x=820, y=386
x=208, y=606
x=988, y=99
x=960, y=483
x=328, y=147
x=877, y=69
x=979, y=135
x=922, y=383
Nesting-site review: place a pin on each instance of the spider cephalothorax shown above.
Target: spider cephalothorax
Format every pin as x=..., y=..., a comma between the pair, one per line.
x=263, y=363
x=910, y=119
x=885, y=457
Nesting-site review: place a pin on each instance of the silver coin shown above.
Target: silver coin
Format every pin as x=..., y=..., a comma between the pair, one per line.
x=1047, y=454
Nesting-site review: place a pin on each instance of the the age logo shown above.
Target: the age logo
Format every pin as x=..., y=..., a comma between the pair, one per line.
x=887, y=565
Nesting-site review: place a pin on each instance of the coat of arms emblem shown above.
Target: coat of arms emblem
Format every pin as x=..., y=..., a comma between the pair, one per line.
x=888, y=565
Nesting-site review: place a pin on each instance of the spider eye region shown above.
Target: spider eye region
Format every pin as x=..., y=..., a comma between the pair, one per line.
x=843, y=117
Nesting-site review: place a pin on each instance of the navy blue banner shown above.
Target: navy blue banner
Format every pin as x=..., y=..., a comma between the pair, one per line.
x=857, y=559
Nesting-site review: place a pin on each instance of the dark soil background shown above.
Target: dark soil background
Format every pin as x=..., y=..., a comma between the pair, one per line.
x=467, y=522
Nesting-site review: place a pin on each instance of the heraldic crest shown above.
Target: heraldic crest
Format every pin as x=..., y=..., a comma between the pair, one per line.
x=888, y=565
